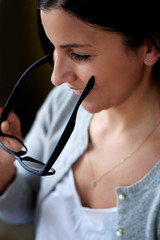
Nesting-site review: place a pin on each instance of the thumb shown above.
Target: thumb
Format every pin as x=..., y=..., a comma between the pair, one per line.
x=4, y=126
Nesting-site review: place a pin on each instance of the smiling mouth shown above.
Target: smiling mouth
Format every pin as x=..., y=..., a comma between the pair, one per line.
x=77, y=92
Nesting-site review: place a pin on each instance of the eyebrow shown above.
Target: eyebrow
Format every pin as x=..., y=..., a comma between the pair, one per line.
x=75, y=45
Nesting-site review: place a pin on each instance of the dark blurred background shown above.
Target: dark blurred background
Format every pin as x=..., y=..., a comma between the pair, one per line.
x=20, y=46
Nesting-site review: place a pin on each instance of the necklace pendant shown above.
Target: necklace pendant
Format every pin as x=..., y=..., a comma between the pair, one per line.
x=93, y=183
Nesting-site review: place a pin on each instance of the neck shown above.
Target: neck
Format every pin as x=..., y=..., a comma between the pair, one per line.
x=140, y=112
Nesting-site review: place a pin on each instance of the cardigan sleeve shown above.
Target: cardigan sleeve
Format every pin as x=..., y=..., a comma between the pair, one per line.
x=17, y=204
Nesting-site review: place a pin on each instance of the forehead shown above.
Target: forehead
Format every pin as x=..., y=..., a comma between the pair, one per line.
x=60, y=24
x=61, y=27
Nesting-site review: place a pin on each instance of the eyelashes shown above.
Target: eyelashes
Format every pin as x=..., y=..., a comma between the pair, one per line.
x=72, y=54
x=79, y=57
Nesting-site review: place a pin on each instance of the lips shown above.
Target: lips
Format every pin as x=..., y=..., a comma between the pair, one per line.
x=77, y=92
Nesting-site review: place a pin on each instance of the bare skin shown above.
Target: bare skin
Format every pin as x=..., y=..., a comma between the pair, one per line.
x=7, y=168
x=125, y=104
x=100, y=158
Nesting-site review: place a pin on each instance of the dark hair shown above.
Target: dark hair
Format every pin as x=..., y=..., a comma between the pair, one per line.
x=136, y=23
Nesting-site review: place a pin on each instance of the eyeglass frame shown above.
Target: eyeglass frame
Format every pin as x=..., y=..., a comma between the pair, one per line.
x=47, y=169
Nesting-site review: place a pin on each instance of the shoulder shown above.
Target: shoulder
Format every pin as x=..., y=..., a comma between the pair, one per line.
x=61, y=94
x=59, y=98
x=61, y=102
x=57, y=104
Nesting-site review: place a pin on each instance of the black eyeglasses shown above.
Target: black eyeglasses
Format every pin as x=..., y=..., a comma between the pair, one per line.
x=30, y=164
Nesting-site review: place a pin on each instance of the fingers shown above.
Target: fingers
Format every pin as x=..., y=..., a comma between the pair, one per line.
x=11, y=125
x=5, y=127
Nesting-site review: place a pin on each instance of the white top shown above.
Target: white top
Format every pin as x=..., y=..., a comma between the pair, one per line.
x=63, y=217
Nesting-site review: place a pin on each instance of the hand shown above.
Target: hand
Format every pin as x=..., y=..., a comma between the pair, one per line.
x=7, y=168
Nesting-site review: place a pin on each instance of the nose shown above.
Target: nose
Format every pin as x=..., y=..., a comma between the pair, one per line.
x=63, y=70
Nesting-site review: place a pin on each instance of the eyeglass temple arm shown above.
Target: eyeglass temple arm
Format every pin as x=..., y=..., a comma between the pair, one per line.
x=11, y=100
x=68, y=129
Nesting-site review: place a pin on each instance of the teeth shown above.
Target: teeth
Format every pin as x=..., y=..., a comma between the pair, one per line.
x=78, y=91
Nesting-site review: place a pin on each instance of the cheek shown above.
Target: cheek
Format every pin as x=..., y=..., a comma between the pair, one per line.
x=117, y=72
x=84, y=72
x=114, y=86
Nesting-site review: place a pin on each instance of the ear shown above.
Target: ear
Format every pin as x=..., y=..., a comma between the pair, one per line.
x=151, y=54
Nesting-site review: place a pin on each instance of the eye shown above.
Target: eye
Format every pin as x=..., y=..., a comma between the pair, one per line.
x=79, y=57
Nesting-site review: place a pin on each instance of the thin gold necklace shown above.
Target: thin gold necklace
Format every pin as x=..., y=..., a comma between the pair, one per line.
x=96, y=180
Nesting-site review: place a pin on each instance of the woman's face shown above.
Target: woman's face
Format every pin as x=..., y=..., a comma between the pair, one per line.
x=82, y=51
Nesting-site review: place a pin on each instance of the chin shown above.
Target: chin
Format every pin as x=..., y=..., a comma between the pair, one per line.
x=91, y=108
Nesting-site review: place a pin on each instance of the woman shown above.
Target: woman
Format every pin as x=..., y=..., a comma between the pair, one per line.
x=107, y=180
